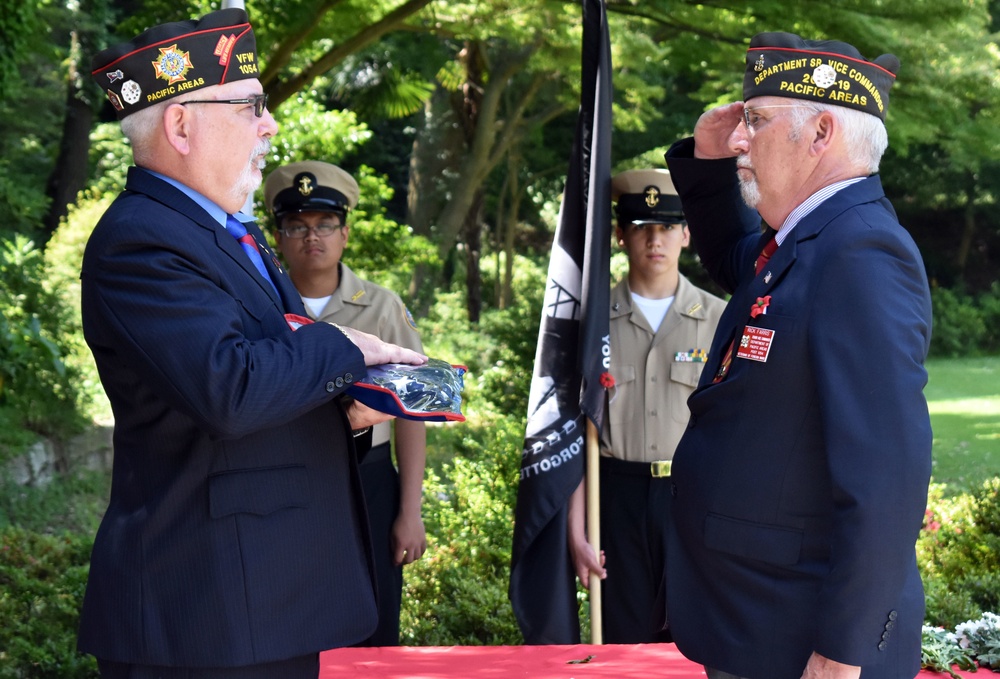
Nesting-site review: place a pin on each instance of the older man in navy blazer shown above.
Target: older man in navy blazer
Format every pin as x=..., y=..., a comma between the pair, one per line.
x=800, y=484
x=235, y=544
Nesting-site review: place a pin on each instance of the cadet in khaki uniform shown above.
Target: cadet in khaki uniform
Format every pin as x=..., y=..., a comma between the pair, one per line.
x=661, y=329
x=310, y=201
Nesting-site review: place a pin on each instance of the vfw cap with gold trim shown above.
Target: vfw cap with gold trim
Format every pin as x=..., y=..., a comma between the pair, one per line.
x=646, y=196
x=174, y=58
x=826, y=71
x=310, y=186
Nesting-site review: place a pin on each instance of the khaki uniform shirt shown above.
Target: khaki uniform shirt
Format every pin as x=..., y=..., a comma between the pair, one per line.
x=368, y=307
x=647, y=410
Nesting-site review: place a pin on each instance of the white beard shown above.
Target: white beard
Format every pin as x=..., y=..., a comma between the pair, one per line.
x=748, y=187
x=750, y=192
x=251, y=177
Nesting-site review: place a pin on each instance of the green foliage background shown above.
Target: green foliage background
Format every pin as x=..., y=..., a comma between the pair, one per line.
x=368, y=114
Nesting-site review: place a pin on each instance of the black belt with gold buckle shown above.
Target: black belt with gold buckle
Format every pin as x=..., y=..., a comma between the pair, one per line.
x=659, y=469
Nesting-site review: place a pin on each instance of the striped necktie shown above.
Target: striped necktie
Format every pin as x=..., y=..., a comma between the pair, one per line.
x=239, y=232
x=762, y=259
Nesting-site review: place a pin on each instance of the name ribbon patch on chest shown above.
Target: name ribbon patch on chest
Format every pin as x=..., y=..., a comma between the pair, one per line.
x=755, y=343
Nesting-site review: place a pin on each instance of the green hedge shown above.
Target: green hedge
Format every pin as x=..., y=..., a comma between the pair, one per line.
x=965, y=325
x=35, y=382
x=42, y=580
x=457, y=594
x=959, y=554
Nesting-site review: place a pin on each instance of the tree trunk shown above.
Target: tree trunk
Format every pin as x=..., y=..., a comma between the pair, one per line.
x=435, y=152
x=473, y=251
x=69, y=175
x=968, y=230
x=473, y=58
x=453, y=159
x=501, y=222
x=510, y=230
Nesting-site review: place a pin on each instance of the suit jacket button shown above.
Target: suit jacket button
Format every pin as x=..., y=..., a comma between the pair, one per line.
x=339, y=382
x=331, y=387
x=882, y=645
x=673, y=490
x=893, y=615
x=348, y=377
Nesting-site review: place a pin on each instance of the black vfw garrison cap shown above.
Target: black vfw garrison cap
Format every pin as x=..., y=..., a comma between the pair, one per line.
x=825, y=71
x=646, y=196
x=171, y=59
x=310, y=186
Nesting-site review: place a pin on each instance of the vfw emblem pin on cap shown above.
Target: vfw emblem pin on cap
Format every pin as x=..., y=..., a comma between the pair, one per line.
x=172, y=64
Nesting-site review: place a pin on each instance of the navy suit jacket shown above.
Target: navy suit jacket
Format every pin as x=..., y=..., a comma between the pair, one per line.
x=801, y=482
x=235, y=532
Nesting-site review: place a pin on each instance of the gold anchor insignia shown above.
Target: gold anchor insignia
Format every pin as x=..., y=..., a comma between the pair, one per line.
x=305, y=186
x=652, y=196
x=759, y=65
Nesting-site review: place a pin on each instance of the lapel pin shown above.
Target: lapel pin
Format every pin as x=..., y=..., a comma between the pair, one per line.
x=767, y=277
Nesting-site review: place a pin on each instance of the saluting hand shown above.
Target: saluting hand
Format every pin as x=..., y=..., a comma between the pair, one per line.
x=713, y=129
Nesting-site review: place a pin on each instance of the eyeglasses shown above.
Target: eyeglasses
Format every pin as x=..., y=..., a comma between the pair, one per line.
x=259, y=102
x=301, y=230
x=751, y=119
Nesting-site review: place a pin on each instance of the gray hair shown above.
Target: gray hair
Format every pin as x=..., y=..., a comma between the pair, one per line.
x=139, y=128
x=865, y=136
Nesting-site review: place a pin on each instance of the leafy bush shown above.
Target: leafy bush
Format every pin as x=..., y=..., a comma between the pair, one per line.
x=959, y=554
x=974, y=642
x=63, y=261
x=457, y=594
x=982, y=639
x=965, y=325
x=941, y=652
x=73, y=502
x=34, y=380
x=989, y=303
x=42, y=581
x=500, y=350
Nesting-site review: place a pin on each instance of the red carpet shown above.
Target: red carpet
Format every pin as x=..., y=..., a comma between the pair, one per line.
x=507, y=662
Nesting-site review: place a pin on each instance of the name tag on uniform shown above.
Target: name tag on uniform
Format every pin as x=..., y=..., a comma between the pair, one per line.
x=755, y=343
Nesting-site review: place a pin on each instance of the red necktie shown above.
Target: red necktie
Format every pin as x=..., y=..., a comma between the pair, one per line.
x=762, y=259
x=239, y=232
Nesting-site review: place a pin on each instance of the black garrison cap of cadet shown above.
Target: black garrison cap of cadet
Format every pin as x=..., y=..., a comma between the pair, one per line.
x=646, y=197
x=826, y=71
x=171, y=59
x=310, y=186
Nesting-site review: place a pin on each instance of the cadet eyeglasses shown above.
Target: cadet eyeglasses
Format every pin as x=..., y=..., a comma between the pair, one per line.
x=259, y=102
x=750, y=117
x=301, y=230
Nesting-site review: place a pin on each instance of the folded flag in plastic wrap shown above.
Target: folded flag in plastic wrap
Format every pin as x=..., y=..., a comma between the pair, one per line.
x=431, y=392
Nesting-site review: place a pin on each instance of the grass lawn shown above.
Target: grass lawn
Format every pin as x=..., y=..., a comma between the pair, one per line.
x=963, y=395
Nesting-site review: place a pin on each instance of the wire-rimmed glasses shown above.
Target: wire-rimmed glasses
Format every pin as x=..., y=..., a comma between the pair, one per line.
x=258, y=101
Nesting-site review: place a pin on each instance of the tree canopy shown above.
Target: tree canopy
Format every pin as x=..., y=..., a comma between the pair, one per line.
x=464, y=110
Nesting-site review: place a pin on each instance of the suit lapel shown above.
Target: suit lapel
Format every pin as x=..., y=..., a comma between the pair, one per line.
x=143, y=182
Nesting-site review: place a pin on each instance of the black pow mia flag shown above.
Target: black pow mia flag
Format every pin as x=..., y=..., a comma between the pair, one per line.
x=571, y=358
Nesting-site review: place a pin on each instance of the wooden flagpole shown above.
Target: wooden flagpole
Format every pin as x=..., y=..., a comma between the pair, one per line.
x=594, y=529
